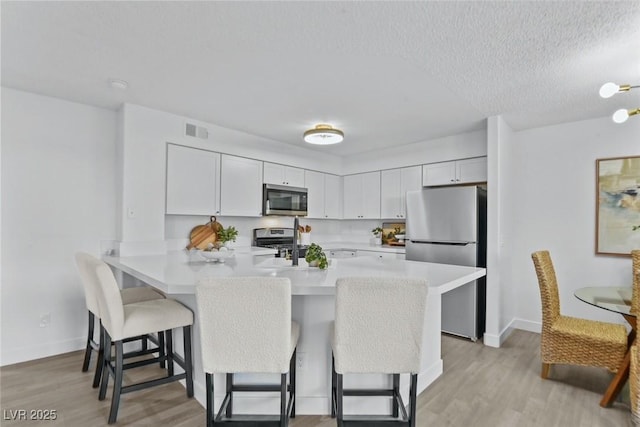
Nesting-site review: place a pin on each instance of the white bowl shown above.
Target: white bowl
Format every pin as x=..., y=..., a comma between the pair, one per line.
x=218, y=256
x=400, y=237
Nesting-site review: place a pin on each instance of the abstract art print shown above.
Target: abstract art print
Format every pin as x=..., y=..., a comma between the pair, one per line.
x=618, y=205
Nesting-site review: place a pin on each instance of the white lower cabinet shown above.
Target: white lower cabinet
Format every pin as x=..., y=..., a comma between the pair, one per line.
x=341, y=253
x=383, y=255
x=240, y=186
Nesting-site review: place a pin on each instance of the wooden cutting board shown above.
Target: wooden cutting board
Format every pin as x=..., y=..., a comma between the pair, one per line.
x=202, y=235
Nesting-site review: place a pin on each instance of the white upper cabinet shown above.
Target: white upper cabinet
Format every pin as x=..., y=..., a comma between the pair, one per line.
x=394, y=187
x=240, y=186
x=455, y=172
x=324, y=195
x=283, y=175
x=332, y=196
x=362, y=196
x=193, y=181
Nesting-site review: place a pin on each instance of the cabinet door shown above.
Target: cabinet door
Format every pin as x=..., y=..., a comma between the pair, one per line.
x=371, y=195
x=193, y=181
x=471, y=170
x=390, y=194
x=294, y=176
x=240, y=186
x=443, y=173
x=352, y=196
x=283, y=175
x=410, y=179
x=315, y=194
x=273, y=173
x=332, y=196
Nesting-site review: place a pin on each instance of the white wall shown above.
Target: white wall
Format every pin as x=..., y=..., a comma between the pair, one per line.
x=460, y=146
x=58, y=197
x=551, y=200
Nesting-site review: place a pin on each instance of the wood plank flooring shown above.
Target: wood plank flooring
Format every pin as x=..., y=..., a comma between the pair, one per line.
x=480, y=387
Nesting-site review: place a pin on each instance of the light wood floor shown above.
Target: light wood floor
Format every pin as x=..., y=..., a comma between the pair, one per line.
x=481, y=386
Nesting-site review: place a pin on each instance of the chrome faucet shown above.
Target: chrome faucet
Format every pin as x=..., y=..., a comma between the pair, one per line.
x=294, y=249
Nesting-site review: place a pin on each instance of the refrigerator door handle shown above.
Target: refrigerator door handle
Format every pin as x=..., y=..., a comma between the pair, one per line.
x=434, y=242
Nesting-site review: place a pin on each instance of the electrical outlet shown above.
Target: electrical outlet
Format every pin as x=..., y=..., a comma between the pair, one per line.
x=300, y=360
x=45, y=320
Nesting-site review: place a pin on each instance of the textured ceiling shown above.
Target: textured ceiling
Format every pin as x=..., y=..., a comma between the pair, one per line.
x=387, y=73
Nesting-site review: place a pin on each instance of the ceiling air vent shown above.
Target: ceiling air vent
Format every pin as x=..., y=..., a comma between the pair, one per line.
x=196, y=131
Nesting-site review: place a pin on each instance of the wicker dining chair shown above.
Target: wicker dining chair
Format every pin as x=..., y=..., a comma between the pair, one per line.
x=635, y=296
x=570, y=340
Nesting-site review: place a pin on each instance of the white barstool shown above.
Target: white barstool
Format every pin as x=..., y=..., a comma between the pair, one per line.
x=121, y=322
x=378, y=329
x=130, y=295
x=246, y=327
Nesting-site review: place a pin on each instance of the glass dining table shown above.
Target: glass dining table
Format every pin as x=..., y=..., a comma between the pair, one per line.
x=617, y=300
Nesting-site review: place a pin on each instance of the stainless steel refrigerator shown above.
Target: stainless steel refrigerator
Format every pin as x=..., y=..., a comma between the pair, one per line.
x=448, y=225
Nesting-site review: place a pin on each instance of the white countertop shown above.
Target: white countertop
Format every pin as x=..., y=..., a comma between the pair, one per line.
x=178, y=272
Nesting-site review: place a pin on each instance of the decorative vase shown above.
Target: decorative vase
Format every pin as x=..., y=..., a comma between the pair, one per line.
x=378, y=241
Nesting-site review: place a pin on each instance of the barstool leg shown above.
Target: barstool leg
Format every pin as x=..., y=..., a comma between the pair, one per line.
x=413, y=400
x=117, y=383
x=333, y=386
x=396, y=393
x=292, y=382
x=168, y=336
x=283, y=400
x=229, y=411
x=339, y=392
x=209, y=390
x=100, y=363
x=105, y=367
x=88, y=349
x=161, y=349
x=188, y=363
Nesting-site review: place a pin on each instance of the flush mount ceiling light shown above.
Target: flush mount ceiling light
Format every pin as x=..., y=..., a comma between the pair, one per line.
x=323, y=135
x=608, y=90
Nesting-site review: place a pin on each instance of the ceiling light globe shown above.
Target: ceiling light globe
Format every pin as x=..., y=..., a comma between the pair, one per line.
x=609, y=89
x=620, y=116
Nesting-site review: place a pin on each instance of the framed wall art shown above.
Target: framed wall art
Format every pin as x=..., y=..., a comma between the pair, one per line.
x=617, y=205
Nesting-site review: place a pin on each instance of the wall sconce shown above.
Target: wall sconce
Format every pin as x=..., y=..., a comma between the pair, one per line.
x=608, y=90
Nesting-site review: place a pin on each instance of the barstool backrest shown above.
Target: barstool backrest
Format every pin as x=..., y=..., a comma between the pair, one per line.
x=109, y=299
x=379, y=324
x=245, y=324
x=89, y=283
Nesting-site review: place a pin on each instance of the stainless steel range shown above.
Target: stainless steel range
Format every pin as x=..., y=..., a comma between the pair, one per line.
x=277, y=238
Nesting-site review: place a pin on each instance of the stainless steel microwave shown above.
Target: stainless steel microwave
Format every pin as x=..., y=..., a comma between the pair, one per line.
x=284, y=200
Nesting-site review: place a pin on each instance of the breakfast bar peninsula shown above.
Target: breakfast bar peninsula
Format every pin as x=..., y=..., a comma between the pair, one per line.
x=177, y=274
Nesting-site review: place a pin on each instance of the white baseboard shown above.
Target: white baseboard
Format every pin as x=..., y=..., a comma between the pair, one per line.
x=28, y=353
x=429, y=375
x=527, y=325
x=493, y=340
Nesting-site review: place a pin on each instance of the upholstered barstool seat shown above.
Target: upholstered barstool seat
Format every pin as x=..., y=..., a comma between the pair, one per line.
x=153, y=315
x=122, y=322
x=246, y=327
x=378, y=329
x=129, y=295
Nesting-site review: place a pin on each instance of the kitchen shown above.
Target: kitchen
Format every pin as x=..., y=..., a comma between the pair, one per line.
x=40, y=163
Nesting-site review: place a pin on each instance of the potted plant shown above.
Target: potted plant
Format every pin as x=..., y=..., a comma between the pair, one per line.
x=377, y=233
x=316, y=257
x=226, y=235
